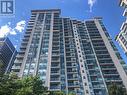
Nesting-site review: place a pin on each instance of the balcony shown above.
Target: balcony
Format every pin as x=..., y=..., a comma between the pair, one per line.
x=55, y=80
x=55, y=60
x=125, y=12
x=56, y=45
x=56, y=38
x=116, y=80
x=20, y=55
x=56, y=42
x=25, y=39
x=16, y=67
x=108, y=69
x=55, y=86
x=72, y=60
x=72, y=72
x=18, y=61
x=93, y=68
x=72, y=78
x=71, y=66
x=52, y=88
x=24, y=43
x=55, y=71
x=26, y=35
x=16, y=71
x=31, y=23
x=23, y=48
x=55, y=54
x=76, y=85
x=55, y=65
x=94, y=74
x=124, y=26
x=98, y=86
x=112, y=75
x=55, y=48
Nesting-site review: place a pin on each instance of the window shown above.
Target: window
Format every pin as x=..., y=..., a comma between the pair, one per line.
x=47, y=27
x=87, y=91
x=81, y=60
x=85, y=84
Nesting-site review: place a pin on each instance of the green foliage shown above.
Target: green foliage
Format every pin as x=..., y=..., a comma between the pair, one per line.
x=116, y=90
x=8, y=85
x=12, y=85
x=56, y=93
x=1, y=65
x=71, y=93
x=60, y=93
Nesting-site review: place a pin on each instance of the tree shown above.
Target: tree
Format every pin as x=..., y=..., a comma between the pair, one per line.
x=60, y=93
x=12, y=85
x=8, y=85
x=56, y=93
x=1, y=65
x=114, y=89
x=71, y=93
x=31, y=86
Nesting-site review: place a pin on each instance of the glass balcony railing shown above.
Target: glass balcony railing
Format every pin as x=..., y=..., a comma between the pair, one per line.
x=16, y=67
x=55, y=79
x=55, y=72
x=73, y=84
x=55, y=87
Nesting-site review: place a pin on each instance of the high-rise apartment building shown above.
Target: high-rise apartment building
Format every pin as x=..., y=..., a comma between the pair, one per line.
x=7, y=55
x=121, y=38
x=69, y=55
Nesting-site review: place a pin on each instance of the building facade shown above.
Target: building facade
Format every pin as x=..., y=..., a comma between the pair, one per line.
x=7, y=55
x=69, y=55
x=121, y=38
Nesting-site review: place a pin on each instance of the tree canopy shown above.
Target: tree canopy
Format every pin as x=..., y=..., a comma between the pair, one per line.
x=12, y=85
x=115, y=89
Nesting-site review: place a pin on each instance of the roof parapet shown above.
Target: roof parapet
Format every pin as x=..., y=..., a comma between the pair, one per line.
x=47, y=10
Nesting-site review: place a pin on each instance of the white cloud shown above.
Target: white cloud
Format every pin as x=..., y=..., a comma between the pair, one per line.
x=4, y=30
x=7, y=29
x=15, y=46
x=13, y=32
x=9, y=23
x=91, y=4
x=20, y=26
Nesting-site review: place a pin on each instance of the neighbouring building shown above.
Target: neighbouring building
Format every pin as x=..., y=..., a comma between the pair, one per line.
x=121, y=38
x=69, y=55
x=7, y=55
